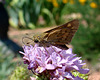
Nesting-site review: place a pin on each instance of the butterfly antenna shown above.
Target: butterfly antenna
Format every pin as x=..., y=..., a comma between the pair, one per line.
x=24, y=38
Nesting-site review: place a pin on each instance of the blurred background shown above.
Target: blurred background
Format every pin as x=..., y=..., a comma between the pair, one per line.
x=18, y=17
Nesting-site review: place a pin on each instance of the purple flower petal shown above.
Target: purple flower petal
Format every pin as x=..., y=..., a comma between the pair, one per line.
x=83, y=71
x=78, y=78
x=50, y=67
x=59, y=63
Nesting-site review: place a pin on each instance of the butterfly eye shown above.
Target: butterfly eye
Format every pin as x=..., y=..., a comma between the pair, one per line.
x=36, y=41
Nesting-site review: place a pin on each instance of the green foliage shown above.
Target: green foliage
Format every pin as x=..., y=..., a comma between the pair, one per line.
x=84, y=76
x=25, y=13
x=6, y=66
x=20, y=73
x=7, y=62
x=86, y=42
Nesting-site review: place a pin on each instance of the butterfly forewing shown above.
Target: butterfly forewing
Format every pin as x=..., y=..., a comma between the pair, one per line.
x=63, y=34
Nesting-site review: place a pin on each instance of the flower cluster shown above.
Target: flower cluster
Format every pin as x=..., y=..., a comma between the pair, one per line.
x=56, y=3
x=64, y=1
x=93, y=5
x=53, y=63
x=82, y=1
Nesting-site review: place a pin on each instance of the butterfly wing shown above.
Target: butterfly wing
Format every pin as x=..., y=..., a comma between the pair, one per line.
x=62, y=34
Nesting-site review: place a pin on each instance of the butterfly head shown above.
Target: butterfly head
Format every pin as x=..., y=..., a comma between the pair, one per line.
x=38, y=38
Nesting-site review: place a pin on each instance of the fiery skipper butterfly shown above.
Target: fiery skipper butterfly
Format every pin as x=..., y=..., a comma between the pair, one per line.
x=59, y=36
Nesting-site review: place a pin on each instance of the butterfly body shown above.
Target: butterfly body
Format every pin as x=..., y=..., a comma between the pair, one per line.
x=59, y=36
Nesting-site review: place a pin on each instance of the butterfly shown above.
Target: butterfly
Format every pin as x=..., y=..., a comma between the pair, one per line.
x=59, y=36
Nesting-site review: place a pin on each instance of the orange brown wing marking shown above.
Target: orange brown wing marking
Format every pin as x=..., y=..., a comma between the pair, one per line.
x=74, y=22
